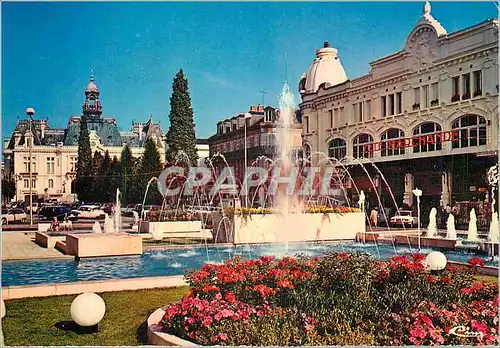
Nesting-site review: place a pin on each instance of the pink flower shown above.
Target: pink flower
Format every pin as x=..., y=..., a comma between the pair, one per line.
x=223, y=336
x=309, y=327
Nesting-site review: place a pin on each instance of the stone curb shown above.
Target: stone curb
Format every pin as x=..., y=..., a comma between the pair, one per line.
x=158, y=338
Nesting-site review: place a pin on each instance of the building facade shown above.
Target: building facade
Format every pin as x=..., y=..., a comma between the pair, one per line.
x=426, y=116
x=54, y=152
x=261, y=139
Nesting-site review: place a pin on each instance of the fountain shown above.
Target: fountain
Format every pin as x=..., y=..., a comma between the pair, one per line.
x=96, y=227
x=117, y=214
x=472, y=232
x=108, y=224
x=432, y=228
x=493, y=235
x=451, y=232
x=288, y=223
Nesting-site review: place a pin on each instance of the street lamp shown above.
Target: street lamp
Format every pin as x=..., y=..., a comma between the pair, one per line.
x=247, y=116
x=418, y=194
x=30, y=112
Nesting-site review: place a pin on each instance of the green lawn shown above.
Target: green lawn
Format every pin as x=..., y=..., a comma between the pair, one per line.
x=30, y=321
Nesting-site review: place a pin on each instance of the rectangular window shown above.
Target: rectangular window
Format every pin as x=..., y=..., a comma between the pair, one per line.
x=26, y=183
x=50, y=165
x=435, y=94
x=478, y=83
x=330, y=117
x=72, y=164
x=29, y=142
x=360, y=112
x=306, y=119
x=33, y=183
x=342, y=116
x=336, y=121
x=425, y=90
x=466, y=86
x=26, y=164
x=416, y=98
x=51, y=183
x=399, y=102
x=391, y=104
x=455, y=84
x=368, y=109
x=383, y=104
x=355, y=112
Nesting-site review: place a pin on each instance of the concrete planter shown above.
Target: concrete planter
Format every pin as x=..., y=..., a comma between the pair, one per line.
x=176, y=229
x=294, y=228
x=158, y=338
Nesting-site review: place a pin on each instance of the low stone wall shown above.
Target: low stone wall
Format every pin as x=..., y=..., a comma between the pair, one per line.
x=47, y=241
x=292, y=228
x=427, y=242
x=158, y=338
x=170, y=226
x=103, y=244
x=97, y=286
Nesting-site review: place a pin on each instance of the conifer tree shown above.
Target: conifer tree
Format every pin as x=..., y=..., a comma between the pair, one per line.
x=103, y=179
x=115, y=178
x=181, y=135
x=97, y=195
x=83, y=181
x=149, y=166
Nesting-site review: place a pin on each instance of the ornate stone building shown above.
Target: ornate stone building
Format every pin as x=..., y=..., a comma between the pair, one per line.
x=427, y=116
x=54, y=151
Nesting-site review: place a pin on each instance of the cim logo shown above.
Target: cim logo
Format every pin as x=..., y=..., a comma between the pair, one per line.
x=463, y=331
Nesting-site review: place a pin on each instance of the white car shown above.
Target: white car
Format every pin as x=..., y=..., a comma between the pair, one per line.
x=13, y=215
x=90, y=212
x=404, y=218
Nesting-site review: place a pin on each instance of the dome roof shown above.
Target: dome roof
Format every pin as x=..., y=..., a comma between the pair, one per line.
x=326, y=68
x=92, y=87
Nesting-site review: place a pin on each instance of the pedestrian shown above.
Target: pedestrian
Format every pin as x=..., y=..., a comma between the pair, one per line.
x=374, y=217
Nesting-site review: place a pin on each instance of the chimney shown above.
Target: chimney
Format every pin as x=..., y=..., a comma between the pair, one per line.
x=260, y=108
x=253, y=108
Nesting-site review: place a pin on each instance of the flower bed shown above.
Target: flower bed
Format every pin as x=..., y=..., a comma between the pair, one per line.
x=338, y=299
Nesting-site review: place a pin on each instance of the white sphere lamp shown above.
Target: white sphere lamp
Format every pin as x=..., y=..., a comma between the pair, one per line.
x=88, y=309
x=436, y=261
x=3, y=309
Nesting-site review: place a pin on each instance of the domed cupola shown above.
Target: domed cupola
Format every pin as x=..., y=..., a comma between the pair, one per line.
x=92, y=107
x=326, y=69
x=427, y=20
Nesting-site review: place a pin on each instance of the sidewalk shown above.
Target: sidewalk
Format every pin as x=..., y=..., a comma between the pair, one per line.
x=19, y=246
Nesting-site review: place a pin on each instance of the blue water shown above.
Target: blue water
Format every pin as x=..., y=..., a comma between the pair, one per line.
x=177, y=261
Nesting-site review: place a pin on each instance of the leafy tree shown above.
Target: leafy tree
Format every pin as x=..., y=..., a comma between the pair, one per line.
x=8, y=189
x=97, y=195
x=150, y=166
x=103, y=178
x=181, y=134
x=127, y=169
x=83, y=182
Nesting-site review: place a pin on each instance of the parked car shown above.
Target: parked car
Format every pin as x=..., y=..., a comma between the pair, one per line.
x=90, y=212
x=49, y=212
x=127, y=211
x=404, y=218
x=13, y=215
x=108, y=208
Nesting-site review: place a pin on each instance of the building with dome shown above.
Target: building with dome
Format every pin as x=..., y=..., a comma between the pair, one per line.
x=55, y=151
x=427, y=116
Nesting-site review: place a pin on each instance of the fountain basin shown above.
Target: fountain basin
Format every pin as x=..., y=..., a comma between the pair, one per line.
x=428, y=242
x=97, y=245
x=190, y=228
x=270, y=228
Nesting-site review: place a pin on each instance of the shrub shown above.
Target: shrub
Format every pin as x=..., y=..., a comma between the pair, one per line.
x=338, y=299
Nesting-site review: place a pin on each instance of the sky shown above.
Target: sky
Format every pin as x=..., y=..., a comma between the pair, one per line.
x=229, y=52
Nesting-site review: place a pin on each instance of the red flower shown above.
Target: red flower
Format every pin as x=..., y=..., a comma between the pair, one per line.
x=446, y=280
x=223, y=336
x=431, y=279
x=476, y=262
x=286, y=284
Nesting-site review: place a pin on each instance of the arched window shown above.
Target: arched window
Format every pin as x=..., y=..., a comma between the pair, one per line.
x=51, y=183
x=337, y=148
x=471, y=131
x=427, y=128
x=362, y=146
x=392, y=142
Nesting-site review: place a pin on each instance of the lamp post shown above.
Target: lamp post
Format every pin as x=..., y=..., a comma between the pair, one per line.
x=247, y=116
x=418, y=194
x=30, y=112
